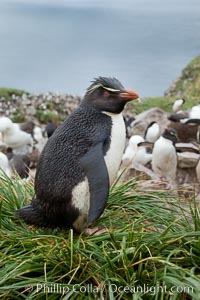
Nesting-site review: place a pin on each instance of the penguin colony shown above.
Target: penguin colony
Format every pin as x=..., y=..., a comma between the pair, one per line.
x=18, y=142
x=69, y=192
x=165, y=144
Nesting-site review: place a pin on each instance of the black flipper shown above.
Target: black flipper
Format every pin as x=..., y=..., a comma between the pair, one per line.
x=193, y=121
x=146, y=144
x=30, y=215
x=95, y=168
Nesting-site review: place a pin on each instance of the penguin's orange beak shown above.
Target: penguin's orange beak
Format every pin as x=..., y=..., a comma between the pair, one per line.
x=129, y=95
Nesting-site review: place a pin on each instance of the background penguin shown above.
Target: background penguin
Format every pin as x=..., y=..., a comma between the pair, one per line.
x=185, y=132
x=184, y=116
x=135, y=154
x=178, y=116
x=152, y=132
x=50, y=128
x=195, y=112
x=164, y=157
x=4, y=165
x=28, y=127
x=80, y=160
x=20, y=164
x=131, y=149
x=177, y=104
x=195, y=121
x=20, y=141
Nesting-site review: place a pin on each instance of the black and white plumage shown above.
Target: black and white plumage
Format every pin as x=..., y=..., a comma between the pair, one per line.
x=20, y=164
x=184, y=116
x=152, y=132
x=185, y=132
x=177, y=117
x=195, y=112
x=195, y=121
x=4, y=165
x=177, y=104
x=164, y=157
x=20, y=141
x=50, y=128
x=35, y=131
x=135, y=154
x=80, y=160
x=39, y=139
x=28, y=127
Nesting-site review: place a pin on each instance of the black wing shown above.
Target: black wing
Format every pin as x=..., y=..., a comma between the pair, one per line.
x=95, y=168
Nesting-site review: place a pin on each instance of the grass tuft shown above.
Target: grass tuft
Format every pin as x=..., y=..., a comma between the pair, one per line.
x=151, y=250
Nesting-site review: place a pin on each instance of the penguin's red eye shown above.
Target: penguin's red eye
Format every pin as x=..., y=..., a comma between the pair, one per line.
x=106, y=94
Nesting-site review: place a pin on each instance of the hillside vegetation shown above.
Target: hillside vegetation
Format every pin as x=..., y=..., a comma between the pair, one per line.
x=188, y=84
x=7, y=93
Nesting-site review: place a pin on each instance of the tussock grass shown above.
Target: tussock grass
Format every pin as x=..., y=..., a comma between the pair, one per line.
x=164, y=103
x=151, y=250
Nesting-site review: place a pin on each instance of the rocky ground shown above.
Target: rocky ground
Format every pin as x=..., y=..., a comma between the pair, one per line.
x=38, y=108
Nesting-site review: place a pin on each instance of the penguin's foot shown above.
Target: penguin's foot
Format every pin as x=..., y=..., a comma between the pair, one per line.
x=95, y=231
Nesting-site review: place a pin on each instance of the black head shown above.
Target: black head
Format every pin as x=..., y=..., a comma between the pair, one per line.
x=170, y=134
x=180, y=99
x=108, y=94
x=151, y=124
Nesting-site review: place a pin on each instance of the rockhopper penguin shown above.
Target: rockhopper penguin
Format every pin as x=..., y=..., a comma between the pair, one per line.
x=80, y=160
x=164, y=157
x=177, y=104
x=152, y=132
x=134, y=153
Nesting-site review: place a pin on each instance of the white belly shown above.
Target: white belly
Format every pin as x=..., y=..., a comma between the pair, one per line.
x=118, y=138
x=80, y=200
x=81, y=194
x=164, y=159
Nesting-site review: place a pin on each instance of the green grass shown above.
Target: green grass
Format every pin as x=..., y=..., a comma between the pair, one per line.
x=164, y=103
x=8, y=92
x=45, y=115
x=147, y=103
x=189, y=82
x=149, y=247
